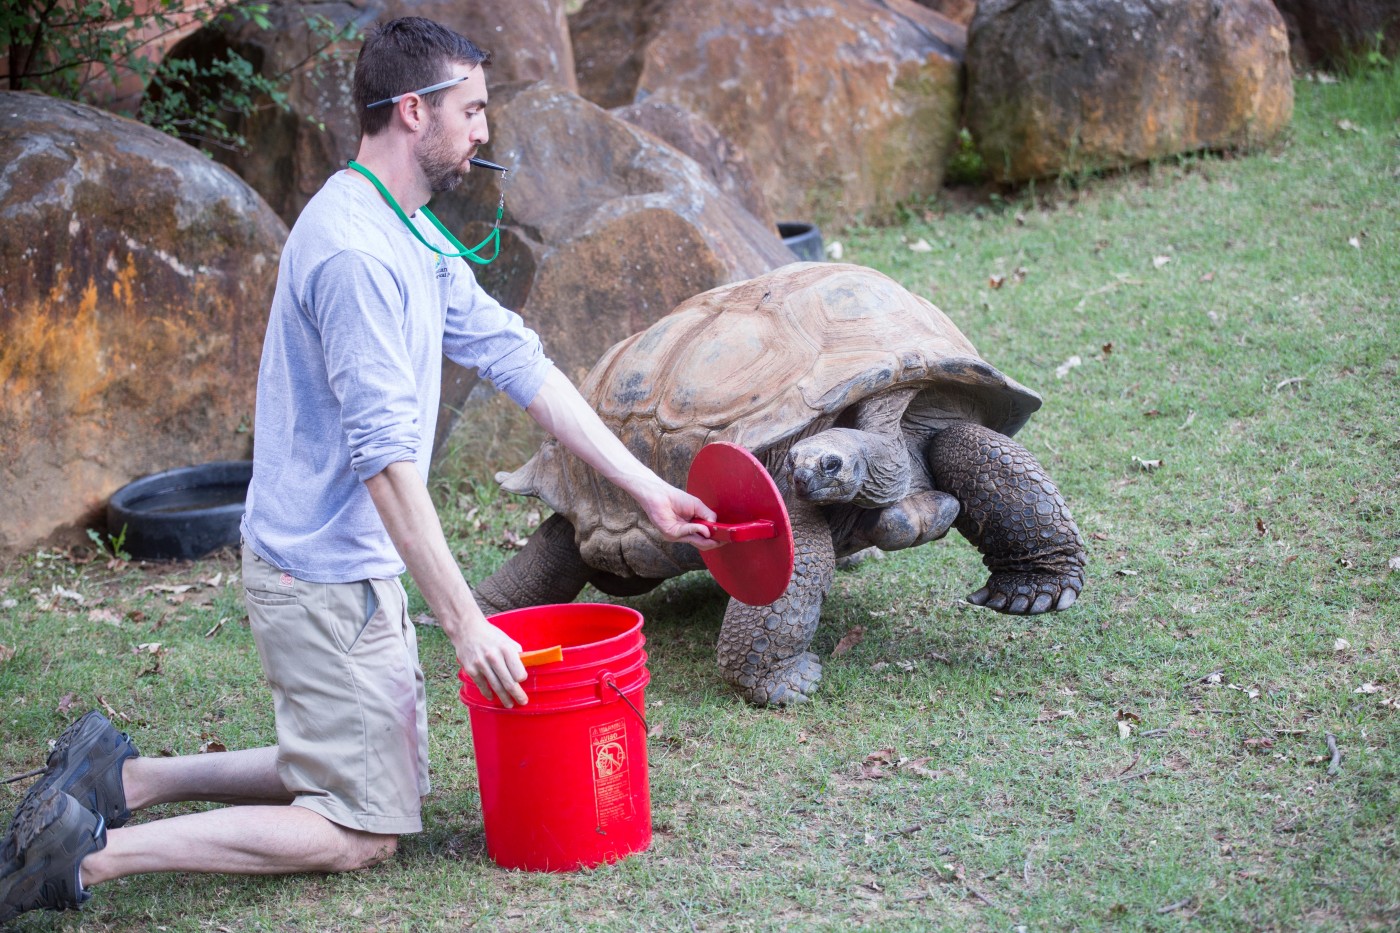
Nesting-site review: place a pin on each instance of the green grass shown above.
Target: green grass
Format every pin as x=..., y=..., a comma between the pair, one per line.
x=1260, y=366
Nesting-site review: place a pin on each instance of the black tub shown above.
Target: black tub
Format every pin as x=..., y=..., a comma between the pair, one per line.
x=183, y=513
x=804, y=239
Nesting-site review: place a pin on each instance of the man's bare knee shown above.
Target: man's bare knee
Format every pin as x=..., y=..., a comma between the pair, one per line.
x=364, y=850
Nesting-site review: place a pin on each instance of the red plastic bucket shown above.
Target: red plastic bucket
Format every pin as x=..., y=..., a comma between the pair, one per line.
x=563, y=779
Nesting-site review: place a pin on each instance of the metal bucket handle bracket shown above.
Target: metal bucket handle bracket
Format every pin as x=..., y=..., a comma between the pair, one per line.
x=606, y=679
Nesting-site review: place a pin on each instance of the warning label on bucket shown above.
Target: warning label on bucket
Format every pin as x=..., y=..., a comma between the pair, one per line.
x=612, y=780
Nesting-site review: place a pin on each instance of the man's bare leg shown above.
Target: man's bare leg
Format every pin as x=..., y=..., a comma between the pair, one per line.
x=247, y=776
x=270, y=838
x=252, y=840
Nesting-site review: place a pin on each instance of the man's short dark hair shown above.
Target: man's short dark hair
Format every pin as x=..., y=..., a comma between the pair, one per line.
x=404, y=55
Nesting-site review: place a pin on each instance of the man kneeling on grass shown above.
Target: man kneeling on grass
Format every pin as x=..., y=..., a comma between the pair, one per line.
x=369, y=296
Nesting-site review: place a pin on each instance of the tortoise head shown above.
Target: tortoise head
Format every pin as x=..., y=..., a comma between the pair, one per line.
x=830, y=466
x=846, y=465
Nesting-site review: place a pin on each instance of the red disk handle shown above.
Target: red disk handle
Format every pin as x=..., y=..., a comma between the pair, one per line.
x=738, y=532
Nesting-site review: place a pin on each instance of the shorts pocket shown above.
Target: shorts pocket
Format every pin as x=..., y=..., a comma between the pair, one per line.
x=350, y=610
x=271, y=600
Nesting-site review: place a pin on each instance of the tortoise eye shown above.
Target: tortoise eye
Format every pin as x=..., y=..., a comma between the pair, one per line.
x=831, y=464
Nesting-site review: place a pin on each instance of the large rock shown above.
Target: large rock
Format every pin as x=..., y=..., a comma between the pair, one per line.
x=844, y=108
x=959, y=11
x=136, y=277
x=292, y=152
x=1059, y=86
x=723, y=162
x=1335, y=33
x=606, y=228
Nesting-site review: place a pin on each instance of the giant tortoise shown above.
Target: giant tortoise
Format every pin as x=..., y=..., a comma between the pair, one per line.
x=878, y=421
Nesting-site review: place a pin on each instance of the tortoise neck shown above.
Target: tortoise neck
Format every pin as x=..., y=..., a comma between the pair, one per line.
x=880, y=414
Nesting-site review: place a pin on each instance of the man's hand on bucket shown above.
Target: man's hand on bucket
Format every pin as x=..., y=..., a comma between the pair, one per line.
x=491, y=659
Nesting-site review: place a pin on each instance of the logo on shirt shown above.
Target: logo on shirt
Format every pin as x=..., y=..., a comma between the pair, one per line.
x=440, y=268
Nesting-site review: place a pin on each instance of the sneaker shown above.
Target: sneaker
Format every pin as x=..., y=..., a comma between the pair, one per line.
x=51, y=835
x=86, y=762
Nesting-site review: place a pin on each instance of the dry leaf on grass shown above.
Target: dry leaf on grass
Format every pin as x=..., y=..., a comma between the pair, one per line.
x=1063, y=369
x=920, y=246
x=6, y=653
x=920, y=767
x=1160, y=261
x=848, y=641
x=105, y=615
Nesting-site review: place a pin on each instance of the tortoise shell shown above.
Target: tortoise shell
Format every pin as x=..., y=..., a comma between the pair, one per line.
x=761, y=363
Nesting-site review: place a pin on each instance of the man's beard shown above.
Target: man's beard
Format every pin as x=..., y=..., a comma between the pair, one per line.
x=440, y=161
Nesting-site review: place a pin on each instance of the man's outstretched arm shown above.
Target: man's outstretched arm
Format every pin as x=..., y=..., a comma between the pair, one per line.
x=563, y=412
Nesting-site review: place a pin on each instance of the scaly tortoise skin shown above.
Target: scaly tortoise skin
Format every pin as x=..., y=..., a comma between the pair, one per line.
x=878, y=420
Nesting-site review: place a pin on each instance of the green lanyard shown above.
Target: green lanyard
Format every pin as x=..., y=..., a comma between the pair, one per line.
x=493, y=238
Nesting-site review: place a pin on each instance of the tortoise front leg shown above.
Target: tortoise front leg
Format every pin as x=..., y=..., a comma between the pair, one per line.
x=763, y=649
x=1014, y=515
x=548, y=570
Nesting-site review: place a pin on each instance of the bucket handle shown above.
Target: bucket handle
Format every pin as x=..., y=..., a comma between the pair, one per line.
x=606, y=679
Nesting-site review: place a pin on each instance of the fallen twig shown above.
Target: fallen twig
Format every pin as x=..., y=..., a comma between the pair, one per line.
x=979, y=895
x=909, y=830
x=1132, y=777
x=20, y=777
x=1177, y=906
x=112, y=713
x=1335, y=765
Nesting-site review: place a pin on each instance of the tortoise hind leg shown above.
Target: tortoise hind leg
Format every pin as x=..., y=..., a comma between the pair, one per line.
x=763, y=649
x=548, y=570
x=1014, y=515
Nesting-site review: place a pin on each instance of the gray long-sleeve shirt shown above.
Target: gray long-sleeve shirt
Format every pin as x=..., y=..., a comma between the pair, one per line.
x=351, y=375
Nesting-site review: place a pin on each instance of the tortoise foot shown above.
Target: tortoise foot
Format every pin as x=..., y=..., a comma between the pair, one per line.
x=790, y=681
x=1028, y=594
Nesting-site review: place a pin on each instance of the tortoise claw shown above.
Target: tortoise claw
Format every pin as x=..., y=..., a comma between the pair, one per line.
x=1028, y=593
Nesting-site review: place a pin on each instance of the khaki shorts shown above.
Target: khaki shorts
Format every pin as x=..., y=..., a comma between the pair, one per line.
x=352, y=713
